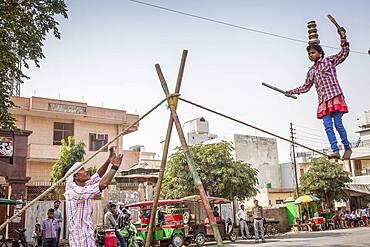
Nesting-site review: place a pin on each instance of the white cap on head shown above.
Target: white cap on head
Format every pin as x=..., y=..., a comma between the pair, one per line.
x=72, y=171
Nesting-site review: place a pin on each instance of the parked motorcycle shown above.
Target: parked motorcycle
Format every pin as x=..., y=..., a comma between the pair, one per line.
x=128, y=231
x=17, y=242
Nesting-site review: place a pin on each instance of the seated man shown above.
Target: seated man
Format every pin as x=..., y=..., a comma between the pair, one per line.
x=216, y=214
x=110, y=222
x=161, y=216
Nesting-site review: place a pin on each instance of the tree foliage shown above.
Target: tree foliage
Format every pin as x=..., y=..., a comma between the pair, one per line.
x=7, y=121
x=70, y=152
x=221, y=175
x=325, y=179
x=92, y=170
x=23, y=28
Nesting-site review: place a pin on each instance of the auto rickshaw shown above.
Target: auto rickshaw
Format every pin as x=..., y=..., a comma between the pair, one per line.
x=199, y=225
x=169, y=225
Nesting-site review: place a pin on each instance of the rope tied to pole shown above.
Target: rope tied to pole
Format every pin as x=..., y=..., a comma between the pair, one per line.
x=173, y=99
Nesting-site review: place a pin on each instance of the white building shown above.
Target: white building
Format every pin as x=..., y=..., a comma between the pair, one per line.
x=287, y=175
x=197, y=131
x=262, y=153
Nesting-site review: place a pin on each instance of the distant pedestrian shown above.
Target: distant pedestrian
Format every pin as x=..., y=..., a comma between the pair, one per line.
x=59, y=217
x=242, y=216
x=37, y=236
x=50, y=230
x=364, y=216
x=258, y=221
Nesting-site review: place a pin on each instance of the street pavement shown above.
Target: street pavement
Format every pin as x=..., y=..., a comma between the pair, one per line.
x=359, y=236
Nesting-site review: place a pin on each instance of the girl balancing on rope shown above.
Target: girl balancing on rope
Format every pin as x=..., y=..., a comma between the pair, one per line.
x=332, y=105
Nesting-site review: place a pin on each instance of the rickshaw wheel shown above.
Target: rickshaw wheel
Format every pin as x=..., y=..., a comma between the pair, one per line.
x=177, y=240
x=200, y=239
x=139, y=243
x=270, y=230
x=233, y=237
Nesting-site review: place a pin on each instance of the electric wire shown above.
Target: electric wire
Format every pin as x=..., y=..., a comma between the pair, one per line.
x=235, y=26
x=319, y=133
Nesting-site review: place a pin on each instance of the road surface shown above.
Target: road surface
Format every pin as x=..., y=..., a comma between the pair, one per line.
x=357, y=237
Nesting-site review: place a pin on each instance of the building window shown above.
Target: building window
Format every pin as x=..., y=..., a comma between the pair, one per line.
x=61, y=132
x=96, y=141
x=279, y=202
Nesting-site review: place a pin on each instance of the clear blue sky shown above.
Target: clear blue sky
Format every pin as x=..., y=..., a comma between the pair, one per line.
x=108, y=51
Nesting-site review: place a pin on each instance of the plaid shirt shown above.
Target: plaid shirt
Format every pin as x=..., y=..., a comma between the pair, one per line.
x=50, y=228
x=324, y=75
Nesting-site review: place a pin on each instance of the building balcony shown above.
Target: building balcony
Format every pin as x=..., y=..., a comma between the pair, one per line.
x=363, y=179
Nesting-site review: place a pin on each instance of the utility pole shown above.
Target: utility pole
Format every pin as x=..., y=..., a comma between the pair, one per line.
x=294, y=160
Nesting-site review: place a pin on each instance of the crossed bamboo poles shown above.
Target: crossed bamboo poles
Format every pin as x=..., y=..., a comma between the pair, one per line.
x=172, y=100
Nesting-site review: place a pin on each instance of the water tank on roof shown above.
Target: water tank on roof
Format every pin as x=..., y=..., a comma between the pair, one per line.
x=198, y=125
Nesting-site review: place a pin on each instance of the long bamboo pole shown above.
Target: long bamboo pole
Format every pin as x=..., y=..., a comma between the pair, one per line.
x=164, y=155
x=192, y=167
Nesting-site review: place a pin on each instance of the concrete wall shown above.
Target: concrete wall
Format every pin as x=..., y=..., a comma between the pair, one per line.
x=262, y=153
x=39, y=171
x=38, y=211
x=361, y=179
x=287, y=175
x=130, y=158
x=281, y=196
x=280, y=214
x=268, y=197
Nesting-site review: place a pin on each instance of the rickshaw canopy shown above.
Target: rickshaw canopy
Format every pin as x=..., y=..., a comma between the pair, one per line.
x=150, y=203
x=9, y=202
x=212, y=200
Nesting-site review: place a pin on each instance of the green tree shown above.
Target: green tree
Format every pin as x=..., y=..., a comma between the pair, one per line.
x=221, y=175
x=92, y=170
x=7, y=121
x=325, y=179
x=23, y=28
x=70, y=152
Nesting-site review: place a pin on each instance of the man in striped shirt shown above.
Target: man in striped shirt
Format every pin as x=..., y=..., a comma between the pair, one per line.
x=80, y=190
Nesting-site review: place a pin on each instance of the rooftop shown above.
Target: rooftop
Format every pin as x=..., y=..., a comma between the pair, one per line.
x=45, y=107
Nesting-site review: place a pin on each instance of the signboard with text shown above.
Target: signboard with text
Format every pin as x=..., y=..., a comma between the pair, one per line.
x=6, y=146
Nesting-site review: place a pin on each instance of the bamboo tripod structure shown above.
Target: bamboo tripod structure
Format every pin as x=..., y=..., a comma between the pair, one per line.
x=172, y=100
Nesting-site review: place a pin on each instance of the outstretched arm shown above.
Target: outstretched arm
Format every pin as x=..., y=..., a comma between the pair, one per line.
x=303, y=89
